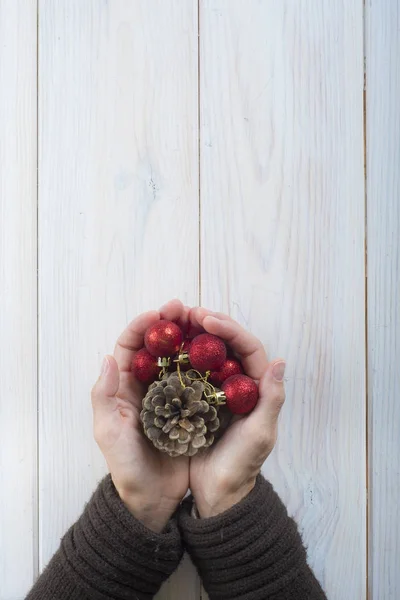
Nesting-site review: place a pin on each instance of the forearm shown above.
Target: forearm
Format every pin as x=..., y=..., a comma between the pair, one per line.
x=109, y=554
x=251, y=551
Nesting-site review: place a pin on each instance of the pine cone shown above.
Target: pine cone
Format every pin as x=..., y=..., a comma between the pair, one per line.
x=177, y=419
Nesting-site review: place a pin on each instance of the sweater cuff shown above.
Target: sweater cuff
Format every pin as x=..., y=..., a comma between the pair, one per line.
x=108, y=553
x=251, y=551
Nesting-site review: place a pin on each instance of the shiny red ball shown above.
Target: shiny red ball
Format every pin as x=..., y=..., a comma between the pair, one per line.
x=144, y=366
x=164, y=338
x=230, y=367
x=241, y=394
x=207, y=352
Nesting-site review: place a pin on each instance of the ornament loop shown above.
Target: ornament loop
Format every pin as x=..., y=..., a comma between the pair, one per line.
x=183, y=358
x=213, y=397
x=199, y=378
x=178, y=370
x=163, y=361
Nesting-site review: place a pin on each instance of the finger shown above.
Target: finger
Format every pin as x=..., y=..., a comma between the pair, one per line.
x=175, y=311
x=204, y=312
x=194, y=325
x=245, y=344
x=132, y=339
x=172, y=310
x=272, y=397
x=106, y=387
x=183, y=320
x=196, y=313
x=196, y=317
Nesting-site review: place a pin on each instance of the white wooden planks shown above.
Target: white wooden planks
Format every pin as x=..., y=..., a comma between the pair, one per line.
x=282, y=204
x=282, y=245
x=118, y=214
x=383, y=211
x=18, y=356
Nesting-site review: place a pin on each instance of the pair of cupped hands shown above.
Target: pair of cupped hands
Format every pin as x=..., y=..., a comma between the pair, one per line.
x=152, y=484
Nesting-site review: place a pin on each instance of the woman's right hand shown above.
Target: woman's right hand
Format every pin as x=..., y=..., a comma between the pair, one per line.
x=149, y=482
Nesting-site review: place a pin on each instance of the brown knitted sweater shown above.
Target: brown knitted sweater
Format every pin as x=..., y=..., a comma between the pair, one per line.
x=108, y=554
x=251, y=552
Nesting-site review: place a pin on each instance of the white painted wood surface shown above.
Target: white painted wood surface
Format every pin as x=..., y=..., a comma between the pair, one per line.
x=282, y=210
x=118, y=214
x=18, y=356
x=282, y=200
x=383, y=197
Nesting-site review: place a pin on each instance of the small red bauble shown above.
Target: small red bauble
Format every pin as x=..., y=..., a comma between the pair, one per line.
x=230, y=367
x=241, y=394
x=164, y=338
x=144, y=366
x=207, y=352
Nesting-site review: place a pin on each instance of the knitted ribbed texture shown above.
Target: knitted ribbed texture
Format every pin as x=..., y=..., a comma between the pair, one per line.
x=109, y=555
x=253, y=551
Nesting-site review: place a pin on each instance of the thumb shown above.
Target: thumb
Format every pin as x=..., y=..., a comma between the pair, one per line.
x=272, y=394
x=107, y=385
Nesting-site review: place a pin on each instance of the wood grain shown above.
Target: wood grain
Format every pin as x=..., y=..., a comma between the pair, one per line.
x=282, y=204
x=118, y=214
x=282, y=246
x=18, y=355
x=383, y=212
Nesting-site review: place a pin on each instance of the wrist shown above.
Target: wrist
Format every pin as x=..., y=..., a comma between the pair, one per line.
x=216, y=501
x=153, y=515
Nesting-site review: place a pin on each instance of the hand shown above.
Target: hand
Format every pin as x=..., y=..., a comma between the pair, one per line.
x=150, y=483
x=226, y=473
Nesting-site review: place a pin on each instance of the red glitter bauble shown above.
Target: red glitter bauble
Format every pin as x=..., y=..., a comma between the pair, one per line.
x=230, y=367
x=144, y=366
x=241, y=394
x=207, y=352
x=164, y=338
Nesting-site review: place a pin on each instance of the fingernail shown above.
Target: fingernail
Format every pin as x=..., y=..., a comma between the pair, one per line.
x=278, y=370
x=104, y=366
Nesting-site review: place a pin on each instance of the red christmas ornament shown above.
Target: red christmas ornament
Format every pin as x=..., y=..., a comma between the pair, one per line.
x=241, y=394
x=230, y=367
x=144, y=366
x=164, y=338
x=207, y=352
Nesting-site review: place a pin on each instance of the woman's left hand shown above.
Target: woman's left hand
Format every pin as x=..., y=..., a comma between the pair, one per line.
x=225, y=473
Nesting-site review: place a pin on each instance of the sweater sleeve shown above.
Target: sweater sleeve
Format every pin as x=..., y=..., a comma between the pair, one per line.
x=107, y=554
x=253, y=551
